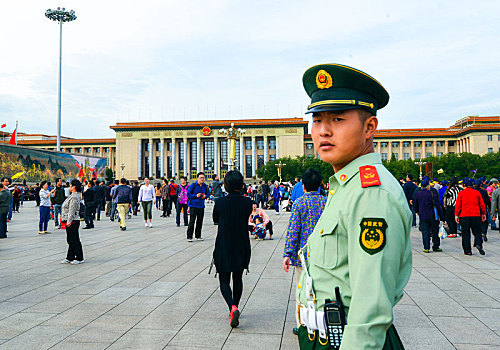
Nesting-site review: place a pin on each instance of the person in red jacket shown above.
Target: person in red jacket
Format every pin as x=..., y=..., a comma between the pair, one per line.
x=469, y=212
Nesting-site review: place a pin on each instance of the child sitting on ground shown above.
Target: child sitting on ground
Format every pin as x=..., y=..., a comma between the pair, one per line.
x=259, y=232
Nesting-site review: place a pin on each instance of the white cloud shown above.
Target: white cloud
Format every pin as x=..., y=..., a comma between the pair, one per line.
x=159, y=60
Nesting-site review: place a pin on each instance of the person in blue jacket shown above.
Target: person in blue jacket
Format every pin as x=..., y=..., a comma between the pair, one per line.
x=276, y=197
x=197, y=193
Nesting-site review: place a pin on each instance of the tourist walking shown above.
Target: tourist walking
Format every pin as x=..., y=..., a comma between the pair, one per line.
x=88, y=201
x=306, y=211
x=147, y=199
x=428, y=208
x=409, y=189
x=469, y=212
x=58, y=198
x=44, y=207
x=158, y=196
x=197, y=193
x=5, y=197
x=165, y=196
x=487, y=203
x=70, y=214
x=172, y=198
x=109, y=199
x=276, y=197
x=99, y=198
x=449, y=201
x=232, y=244
x=217, y=186
x=16, y=198
x=123, y=196
x=182, y=202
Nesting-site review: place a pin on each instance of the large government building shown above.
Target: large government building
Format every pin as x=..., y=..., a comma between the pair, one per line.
x=173, y=149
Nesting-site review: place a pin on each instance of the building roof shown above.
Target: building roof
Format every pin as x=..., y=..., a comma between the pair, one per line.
x=68, y=142
x=210, y=123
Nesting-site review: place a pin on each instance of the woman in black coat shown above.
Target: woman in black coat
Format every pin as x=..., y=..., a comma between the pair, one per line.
x=232, y=245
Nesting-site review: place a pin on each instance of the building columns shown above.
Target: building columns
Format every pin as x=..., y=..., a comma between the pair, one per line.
x=151, y=160
x=401, y=154
x=277, y=148
x=139, y=172
x=198, y=154
x=186, y=170
x=266, y=148
x=446, y=147
x=242, y=156
x=216, y=155
x=423, y=150
x=162, y=157
x=435, y=148
x=254, y=160
x=173, y=157
x=412, y=150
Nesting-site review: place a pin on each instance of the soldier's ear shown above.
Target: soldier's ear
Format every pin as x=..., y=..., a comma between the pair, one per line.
x=371, y=125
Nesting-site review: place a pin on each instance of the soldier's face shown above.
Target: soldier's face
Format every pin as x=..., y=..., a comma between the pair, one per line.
x=341, y=136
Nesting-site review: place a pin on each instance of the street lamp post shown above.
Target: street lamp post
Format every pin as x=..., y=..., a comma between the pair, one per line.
x=420, y=163
x=280, y=166
x=60, y=15
x=232, y=134
x=122, y=165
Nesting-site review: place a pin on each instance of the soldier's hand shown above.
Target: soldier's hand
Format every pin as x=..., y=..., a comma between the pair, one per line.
x=286, y=264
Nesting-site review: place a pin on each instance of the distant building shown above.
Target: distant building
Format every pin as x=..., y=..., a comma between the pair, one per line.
x=172, y=149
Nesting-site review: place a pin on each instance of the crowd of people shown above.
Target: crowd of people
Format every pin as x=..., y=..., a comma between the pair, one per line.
x=456, y=207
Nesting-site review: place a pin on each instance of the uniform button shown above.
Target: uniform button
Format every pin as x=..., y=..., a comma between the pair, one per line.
x=321, y=231
x=299, y=285
x=343, y=177
x=332, y=192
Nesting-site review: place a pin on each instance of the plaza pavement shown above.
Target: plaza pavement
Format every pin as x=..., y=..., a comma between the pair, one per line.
x=149, y=289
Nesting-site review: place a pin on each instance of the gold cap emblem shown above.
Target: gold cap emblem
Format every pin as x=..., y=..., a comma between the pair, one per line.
x=323, y=80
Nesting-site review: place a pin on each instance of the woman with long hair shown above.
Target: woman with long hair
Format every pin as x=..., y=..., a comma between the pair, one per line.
x=232, y=245
x=70, y=214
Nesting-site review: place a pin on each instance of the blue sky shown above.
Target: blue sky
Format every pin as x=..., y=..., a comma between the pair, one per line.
x=191, y=60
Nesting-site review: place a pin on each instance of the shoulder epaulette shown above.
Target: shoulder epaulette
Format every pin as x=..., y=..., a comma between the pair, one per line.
x=369, y=176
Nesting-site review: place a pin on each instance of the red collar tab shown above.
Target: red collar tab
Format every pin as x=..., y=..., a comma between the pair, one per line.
x=369, y=176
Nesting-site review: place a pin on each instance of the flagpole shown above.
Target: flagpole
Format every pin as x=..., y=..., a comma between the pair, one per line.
x=17, y=132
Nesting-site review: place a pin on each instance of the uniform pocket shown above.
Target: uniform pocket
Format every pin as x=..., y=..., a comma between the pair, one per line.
x=326, y=243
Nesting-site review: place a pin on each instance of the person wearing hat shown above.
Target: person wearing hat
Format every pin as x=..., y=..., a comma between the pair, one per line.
x=429, y=210
x=469, y=212
x=361, y=243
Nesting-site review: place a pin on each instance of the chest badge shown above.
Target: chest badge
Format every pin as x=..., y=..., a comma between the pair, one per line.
x=373, y=235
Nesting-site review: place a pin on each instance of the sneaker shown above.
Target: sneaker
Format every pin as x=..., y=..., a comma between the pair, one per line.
x=41, y=232
x=178, y=225
x=259, y=239
x=190, y=239
x=76, y=262
x=235, y=315
x=123, y=228
x=66, y=261
x=295, y=330
x=480, y=249
x=200, y=239
x=150, y=225
x=452, y=236
x=468, y=253
x=46, y=232
x=86, y=228
x=146, y=225
x=437, y=250
x=426, y=250
x=270, y=237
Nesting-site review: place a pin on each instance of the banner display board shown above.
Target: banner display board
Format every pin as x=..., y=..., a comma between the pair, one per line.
x=34, y=165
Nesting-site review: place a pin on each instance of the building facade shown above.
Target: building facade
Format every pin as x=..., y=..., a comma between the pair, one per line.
x=174, y=149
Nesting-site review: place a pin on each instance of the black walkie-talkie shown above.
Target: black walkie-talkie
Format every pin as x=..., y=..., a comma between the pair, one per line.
x=335, y=320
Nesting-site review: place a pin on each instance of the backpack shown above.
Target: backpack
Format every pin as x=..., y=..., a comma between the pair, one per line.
x=183, y=197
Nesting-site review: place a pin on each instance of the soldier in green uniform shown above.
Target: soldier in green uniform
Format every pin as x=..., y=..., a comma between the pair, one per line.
x=361, y=243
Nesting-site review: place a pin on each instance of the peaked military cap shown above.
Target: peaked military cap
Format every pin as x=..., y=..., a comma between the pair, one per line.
x=335, y=87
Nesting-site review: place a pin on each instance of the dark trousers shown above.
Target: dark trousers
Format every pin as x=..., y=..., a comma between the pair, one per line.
x=147, y=207
x=44, y=218
x=450, y=220
x=98, y=208
x=231, y=297
x=430, y=229
x=88, y=215
x=276, y=204
x=17, y=202
x=75, y=250
x=135, y=206
x=269, y=227
x=469, y=223
x=180, y=207
x=414, y=222
x=3, y=225
x=195, y=214
x=172, y=201
x=260, y=201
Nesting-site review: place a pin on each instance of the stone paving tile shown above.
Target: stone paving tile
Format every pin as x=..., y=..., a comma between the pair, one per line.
x=150, y=288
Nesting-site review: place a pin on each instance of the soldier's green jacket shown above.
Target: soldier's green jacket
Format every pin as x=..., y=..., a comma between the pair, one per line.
x=370, y=282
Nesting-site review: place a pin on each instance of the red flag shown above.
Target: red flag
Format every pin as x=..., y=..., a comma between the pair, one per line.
x=13, y=138
x=4, y=125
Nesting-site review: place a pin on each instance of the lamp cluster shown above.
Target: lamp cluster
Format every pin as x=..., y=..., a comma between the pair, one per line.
x=232, y=132
x=60, y=15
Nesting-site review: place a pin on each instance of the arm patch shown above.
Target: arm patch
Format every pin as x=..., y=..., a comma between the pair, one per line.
x=373, y=235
